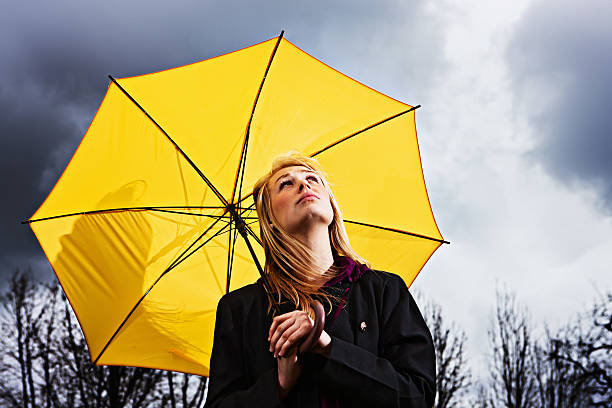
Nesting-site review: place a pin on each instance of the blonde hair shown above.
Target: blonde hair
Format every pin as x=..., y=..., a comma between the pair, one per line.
x=289, y=266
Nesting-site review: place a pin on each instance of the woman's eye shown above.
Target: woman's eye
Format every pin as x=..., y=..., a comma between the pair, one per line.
x=313, y=178
x=284, y=183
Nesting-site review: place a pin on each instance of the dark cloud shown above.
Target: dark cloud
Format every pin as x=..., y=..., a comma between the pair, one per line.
x=561, y=60
x=56, y=57
x=30, y=125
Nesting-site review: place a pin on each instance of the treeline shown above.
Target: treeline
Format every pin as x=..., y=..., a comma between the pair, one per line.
x=44, y=360
x=568, y=367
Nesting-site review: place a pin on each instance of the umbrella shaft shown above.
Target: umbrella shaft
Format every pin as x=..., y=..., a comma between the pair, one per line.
x=242, y=229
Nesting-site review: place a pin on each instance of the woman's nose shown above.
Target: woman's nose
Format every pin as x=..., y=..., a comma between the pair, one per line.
x=303, y=184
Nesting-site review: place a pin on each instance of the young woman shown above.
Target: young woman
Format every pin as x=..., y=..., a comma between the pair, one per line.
x=375, y=349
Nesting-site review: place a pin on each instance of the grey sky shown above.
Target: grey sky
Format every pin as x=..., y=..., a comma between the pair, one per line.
x=560, y=58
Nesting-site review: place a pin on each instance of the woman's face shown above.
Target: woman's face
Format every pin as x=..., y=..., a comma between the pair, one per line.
x=299, y=199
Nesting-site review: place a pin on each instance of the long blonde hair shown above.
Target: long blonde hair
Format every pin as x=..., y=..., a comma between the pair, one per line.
x=289, y=266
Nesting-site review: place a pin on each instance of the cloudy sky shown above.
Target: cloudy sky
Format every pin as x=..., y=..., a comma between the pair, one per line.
x=515, y=128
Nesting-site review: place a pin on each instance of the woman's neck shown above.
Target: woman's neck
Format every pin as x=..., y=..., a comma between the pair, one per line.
x=317, y=240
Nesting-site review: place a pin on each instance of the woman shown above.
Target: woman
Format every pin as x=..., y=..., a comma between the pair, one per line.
x=375, y=349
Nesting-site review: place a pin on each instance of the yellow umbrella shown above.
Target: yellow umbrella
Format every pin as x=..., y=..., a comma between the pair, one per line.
x=140, y=229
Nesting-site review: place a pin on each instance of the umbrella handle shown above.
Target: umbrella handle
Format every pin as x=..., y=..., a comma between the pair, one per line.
x=319, y=323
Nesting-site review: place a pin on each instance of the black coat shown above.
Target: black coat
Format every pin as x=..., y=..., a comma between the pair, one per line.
x=388, y=361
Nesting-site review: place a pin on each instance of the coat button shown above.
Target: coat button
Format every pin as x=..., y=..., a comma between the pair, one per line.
x=363, y=326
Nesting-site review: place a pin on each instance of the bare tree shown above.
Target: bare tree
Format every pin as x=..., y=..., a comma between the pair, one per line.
x=586, y=348
x=192, y=391
x=44, y=360
x=453, y=377
x=24, y=321
x=101, y=386
x=559, y=383
x=513, y=383
x=481, y=397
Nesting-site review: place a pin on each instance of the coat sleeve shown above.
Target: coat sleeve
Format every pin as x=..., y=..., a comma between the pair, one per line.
x=228, y=384
x=403, y=375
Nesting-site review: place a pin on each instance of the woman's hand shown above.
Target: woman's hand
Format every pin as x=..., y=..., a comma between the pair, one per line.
x=286, y=334
x=289, y=370
x=289, y=330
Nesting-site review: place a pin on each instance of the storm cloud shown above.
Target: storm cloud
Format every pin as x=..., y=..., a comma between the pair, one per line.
x=57, y=55
x=560, y=59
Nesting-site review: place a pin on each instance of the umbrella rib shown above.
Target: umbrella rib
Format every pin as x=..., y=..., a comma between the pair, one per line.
x=366, y=225
x=245, y=143
x=206, y=180
x=398, y=231
x=187, y=213
x=221, y=232
x=364, y=129
x=349, y=137
x=197, y=207
x=363, y=224
x=109, y=210
x=249, y=230
x=181, y=258
x=231, y=259
x=227, y=231
x=168, y=269
x=249, y=208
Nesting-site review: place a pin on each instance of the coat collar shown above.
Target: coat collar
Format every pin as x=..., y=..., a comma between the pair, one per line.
x=348, y=270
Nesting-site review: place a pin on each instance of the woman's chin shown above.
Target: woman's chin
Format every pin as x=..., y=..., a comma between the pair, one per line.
x=310, y=222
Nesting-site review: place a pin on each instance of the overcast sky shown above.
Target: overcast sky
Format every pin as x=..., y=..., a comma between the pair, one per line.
x=515, y=128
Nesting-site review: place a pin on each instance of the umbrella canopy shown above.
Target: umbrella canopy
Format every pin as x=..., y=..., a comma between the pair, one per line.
x=140, y=228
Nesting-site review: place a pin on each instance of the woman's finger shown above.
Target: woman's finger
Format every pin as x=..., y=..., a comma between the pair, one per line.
x=280, y=319
x=284, y=337
x=275, y=322
x=283, y=319
x=280, y=329
x=301, y=320
x=294, y=339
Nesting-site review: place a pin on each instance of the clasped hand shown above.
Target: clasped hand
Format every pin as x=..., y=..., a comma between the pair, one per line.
x=289, y=330
x=286, y=334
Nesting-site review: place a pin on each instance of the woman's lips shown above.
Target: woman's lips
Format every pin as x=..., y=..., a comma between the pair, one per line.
x=306, y=196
